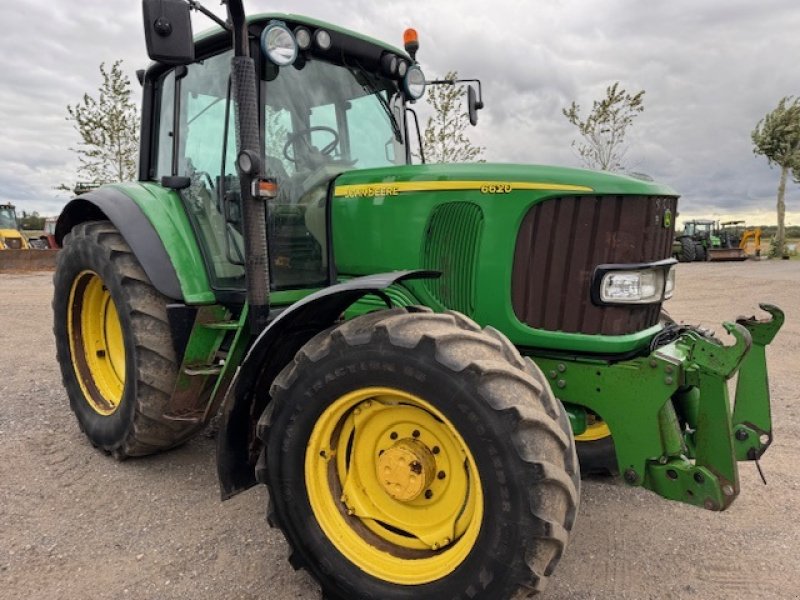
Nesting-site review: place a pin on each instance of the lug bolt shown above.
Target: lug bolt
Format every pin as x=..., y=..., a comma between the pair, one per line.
x=741, y=435
x=698, y=477
x=562, y=367
x=561, y=383
x=435, y=450
x=393, y=435
x=415, y=433
x=441, y=475
x=668, y=380
x=552, y=374
x=428, y=494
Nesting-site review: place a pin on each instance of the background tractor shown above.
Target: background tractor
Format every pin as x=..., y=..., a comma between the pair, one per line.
x=704, y=239
x=404, y=354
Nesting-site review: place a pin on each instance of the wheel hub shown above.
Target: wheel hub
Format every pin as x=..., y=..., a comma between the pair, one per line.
x=406, y=469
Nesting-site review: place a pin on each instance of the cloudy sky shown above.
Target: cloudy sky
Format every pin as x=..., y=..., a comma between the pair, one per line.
x=711, y=70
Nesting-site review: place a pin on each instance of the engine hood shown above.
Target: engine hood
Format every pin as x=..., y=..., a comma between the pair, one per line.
x=387, y=181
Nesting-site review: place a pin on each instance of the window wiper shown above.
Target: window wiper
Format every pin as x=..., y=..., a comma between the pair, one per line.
x=368, y=85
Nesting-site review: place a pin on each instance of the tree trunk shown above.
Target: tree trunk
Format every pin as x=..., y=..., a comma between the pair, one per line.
x=780, y=234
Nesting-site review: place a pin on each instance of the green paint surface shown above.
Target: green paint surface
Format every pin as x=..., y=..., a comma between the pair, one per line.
x=379, y=233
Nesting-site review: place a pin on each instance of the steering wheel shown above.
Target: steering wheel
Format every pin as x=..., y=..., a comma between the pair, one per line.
x=305, y=135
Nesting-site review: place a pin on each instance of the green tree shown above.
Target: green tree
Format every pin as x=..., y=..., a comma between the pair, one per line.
x=777, y=137
x=604, y=129
x=445, y=138
x=31, y=221
x=108, y=126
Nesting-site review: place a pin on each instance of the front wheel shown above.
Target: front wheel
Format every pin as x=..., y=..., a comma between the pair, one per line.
x=410, y=454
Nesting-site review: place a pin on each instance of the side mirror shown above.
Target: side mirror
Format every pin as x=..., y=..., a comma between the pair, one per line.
x=474, y=104
x=168, y=31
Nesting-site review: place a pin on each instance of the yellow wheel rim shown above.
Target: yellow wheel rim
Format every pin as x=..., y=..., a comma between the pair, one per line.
x=96, y=343
x=596, y=430
x=394, y=486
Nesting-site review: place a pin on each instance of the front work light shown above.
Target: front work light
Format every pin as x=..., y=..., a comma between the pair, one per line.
x=323, y=39
x=279, y=44
x=414, y=83
x=303, y=37
x=634, y=284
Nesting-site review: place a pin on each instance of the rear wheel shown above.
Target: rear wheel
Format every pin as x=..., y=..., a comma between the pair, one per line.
x=687, y=253
x=113, y=344
x=412, y=454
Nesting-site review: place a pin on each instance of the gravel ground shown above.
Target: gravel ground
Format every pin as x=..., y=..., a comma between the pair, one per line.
x=77, y=524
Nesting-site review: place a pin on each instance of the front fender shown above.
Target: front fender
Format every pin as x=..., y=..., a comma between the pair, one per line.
x=272, y=350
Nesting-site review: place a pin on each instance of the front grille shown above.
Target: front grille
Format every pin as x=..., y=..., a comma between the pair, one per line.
x=560, y=242
x=451, y=246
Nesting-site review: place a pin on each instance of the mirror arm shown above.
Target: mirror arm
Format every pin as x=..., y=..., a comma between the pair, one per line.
x=195, y=5
x=455, y=81
x=419, y=136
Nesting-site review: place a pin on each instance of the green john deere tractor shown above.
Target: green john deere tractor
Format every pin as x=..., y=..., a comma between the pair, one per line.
x=404, y=354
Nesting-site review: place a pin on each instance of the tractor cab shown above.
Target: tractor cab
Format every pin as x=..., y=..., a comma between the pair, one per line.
x=329, y=101
x=699, y=229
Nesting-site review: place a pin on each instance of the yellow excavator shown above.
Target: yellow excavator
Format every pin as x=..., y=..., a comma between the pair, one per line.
x=11, y=237
x=734, y=235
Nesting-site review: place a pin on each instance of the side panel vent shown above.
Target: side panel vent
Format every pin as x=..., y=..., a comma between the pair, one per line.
x=451, y=246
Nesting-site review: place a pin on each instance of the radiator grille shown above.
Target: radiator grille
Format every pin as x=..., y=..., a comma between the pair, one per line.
x=560, y=242
x=451, y=246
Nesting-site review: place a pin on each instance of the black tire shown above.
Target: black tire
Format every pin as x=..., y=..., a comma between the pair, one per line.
x=701, y=254
x=499, y=403
x=597, y=457
x=687, y=253
x=135, y=425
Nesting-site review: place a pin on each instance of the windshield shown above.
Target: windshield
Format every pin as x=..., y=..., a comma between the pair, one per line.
x=319, y=114
x=7, y=219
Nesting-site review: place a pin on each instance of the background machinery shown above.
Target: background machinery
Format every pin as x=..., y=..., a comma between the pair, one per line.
x=396, y=350
x=704, y=239
x=11, y=237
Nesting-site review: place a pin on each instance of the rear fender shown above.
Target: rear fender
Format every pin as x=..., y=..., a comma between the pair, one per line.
x=248, y=394
x=154, y=224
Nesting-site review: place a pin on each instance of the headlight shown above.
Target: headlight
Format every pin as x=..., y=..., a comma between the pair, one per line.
x=648, y=283
x=279, y=44
x=634, y=287
x=414, y=82
x=669, y=285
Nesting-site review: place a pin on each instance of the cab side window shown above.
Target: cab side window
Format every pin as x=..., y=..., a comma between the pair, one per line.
x=205, y=153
